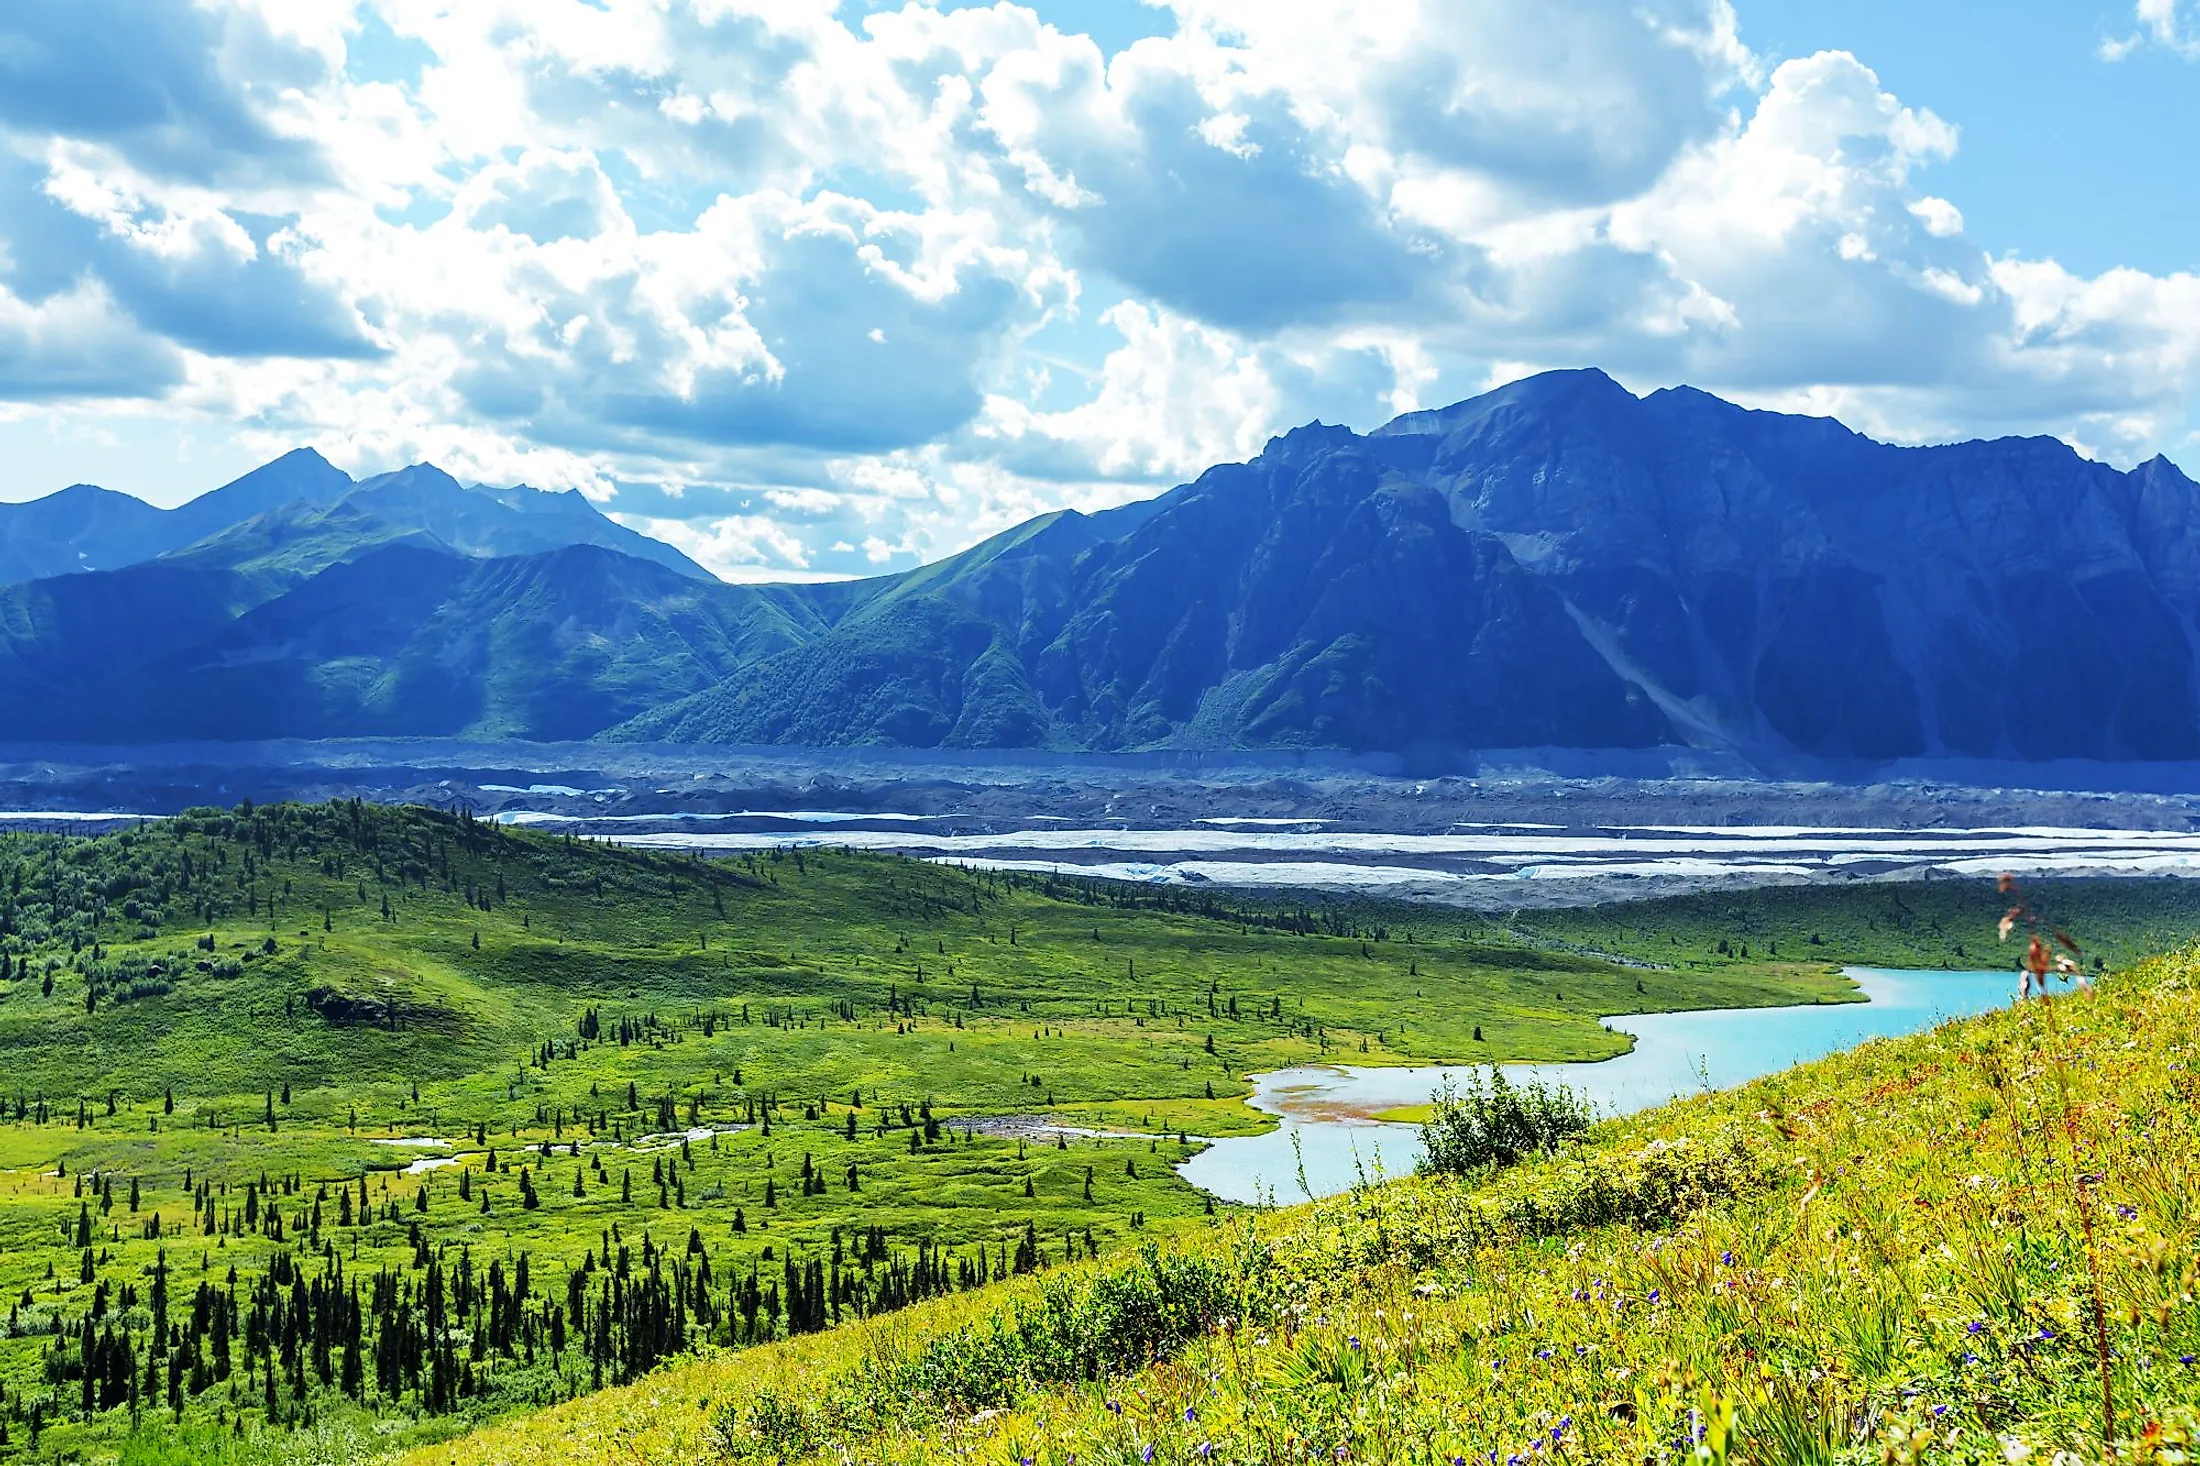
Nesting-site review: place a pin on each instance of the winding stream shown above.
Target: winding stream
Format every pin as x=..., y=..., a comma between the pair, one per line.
x=1328, y=1137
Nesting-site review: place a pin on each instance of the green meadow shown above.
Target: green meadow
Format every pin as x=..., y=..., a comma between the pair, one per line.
x=1974, y=1245
x=328, y=1132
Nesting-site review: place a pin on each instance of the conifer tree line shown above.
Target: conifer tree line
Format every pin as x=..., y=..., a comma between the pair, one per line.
x=438, y=1333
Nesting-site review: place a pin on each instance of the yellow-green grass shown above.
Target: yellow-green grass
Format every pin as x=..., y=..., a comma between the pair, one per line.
x=1945, y=1247
x=790, y=983
x=334, y=978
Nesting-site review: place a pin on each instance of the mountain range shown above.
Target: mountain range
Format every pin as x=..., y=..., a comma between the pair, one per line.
x=1557, y=563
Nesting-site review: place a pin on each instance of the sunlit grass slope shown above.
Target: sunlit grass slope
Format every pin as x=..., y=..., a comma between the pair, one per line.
x=1977, y=1244
x=325, y=1129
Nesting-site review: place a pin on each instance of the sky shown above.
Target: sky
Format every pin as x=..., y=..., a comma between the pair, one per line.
x=816, y=289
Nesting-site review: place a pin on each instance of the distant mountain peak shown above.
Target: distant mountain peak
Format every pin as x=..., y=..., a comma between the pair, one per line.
x=84, y=527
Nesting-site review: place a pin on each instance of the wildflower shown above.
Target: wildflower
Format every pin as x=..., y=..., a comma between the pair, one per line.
x=1147, y=1454
x=1190, y=1415
x=1206, y=1449
x=2128, y=1213
x=1975, y=1327
x=1726, y=1259
x=2046, y=1335
x=1543, y=1353
x=1115, y=1407
x=1354, y=1342
x=1653, y=1295
x=1970, y=1359
x=2184, y=1359
x=1939, y=1410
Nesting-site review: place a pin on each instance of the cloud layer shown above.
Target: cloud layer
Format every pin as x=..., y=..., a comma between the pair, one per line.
x=813, y=291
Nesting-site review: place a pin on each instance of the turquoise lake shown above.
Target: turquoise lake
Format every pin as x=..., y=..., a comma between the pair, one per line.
x=1326, y=1140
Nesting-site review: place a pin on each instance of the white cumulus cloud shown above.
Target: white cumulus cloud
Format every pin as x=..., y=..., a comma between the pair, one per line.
x=2172, y=24
x=812, y=288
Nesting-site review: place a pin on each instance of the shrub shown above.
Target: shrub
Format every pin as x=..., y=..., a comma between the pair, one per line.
x=1099, y=1326
x=1497, y=1124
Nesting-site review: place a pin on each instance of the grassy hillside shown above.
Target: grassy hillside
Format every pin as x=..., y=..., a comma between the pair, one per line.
x=1974, y=1245
x=290, y=1097
x=330, y=1131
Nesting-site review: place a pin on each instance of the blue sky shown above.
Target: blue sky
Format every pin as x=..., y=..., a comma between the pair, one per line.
x=815, y=289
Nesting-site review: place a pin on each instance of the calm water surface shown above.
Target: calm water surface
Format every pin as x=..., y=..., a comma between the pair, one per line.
x=1325, y=1108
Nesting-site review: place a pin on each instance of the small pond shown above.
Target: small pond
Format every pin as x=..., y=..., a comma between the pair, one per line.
x=1328, y=1131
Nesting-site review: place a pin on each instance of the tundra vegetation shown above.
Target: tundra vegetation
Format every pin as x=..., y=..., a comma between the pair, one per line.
x=332, y=1132
x=1976, y=1244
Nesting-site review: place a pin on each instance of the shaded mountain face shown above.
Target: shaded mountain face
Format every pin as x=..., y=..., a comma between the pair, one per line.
x=1558, y=563
x=406, y=638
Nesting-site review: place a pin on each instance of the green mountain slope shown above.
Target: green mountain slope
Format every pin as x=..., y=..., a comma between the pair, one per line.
x=343, y=1043
x=933, y=657
x=408, y=605
x=403, y=637
x=1973, y=1245
x=563, y=1112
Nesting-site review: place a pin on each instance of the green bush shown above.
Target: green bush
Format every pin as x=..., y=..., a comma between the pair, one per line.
x=1496, y=1124
x=1099, y=1326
